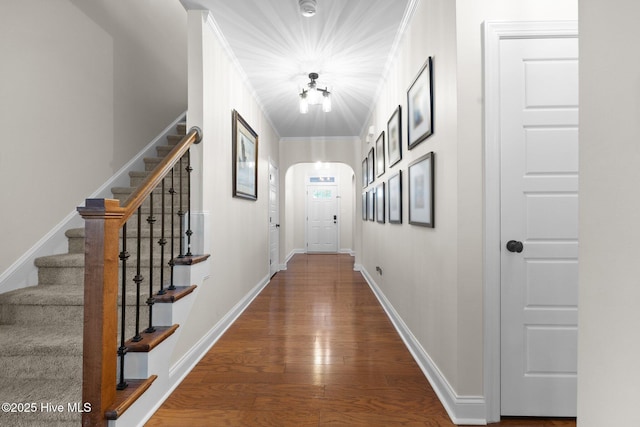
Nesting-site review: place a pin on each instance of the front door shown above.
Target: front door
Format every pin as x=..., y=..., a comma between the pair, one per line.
x=322, y=218
x=539, y=225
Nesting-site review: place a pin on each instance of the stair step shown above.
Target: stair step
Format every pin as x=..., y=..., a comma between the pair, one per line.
x=174, y=295
x=150, y=340
x=76, y=240
x=182, y=128
x=48, y=351
x=127, y=397
x=137, y=178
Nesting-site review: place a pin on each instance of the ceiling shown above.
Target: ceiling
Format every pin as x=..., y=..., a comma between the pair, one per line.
x=349, y=43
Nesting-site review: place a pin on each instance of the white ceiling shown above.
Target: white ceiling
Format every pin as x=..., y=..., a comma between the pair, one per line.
x=349, y=43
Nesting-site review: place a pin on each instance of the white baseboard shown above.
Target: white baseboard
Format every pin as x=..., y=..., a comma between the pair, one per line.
x=347, y=251
x=467, y=410
x=23, y=272
x=291, y=254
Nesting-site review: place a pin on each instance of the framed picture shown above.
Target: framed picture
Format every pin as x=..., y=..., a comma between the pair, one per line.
x=364, y=206
x=394, y=191
x=421, y=191
x=380, y=155
x=371, y=165
x=420, y=106
x=380, y=203
x=245, y=159
x=394, y=137
x=370, y=204
x=365, y=173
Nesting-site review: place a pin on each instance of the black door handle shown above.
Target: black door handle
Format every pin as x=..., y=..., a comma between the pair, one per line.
x=514, y=246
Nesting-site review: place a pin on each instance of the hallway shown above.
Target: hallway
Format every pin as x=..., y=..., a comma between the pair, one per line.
x=315, y=348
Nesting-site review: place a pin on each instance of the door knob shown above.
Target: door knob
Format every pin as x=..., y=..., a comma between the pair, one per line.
x=514, y=246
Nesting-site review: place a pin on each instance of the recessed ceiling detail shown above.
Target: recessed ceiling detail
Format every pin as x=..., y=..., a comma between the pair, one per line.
x=347, y=43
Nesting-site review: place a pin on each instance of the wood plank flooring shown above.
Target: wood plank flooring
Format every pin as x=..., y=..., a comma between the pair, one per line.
x=315, y=348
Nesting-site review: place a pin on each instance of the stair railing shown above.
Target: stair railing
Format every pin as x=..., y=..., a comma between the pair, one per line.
x=105, y=220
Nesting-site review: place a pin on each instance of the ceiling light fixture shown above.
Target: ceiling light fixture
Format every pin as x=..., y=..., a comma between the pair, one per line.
x=313, y=95
x=307, y=7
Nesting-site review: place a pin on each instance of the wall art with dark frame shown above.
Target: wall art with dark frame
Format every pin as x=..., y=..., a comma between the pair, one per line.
x=245, y=158
x=370, y=204
x=365, y=173
x=371, y=164
x=380, y=154
x=394, y=137
x=380, y=205
x=394, y=195
x=420, y=106
x=421, y=197
x=364, y=205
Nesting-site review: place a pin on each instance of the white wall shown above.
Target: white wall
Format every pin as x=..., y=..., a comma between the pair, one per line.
x=608, y=345
x=294, y=220
x=85, y=86
x=235, y=230
x=433, y=277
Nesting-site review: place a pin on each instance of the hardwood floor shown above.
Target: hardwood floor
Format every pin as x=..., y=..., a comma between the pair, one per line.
x=315, y=348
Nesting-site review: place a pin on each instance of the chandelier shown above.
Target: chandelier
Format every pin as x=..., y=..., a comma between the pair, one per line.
x=311, y=94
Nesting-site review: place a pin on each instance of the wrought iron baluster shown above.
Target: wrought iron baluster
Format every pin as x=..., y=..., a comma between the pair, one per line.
x=151, y=219
x=138, y=277
x=122, y=350
x=172, y=191
x=162, y=242
x=189, y=169
x=181, y=212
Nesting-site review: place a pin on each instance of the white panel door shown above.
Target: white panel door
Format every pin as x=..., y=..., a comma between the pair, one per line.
x=274, y=220
x=539, y=226
x=322, y=218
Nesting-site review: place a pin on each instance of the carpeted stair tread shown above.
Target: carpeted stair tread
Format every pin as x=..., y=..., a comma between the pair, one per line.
x=59, y=295
x=45, y=340
x=61, y=260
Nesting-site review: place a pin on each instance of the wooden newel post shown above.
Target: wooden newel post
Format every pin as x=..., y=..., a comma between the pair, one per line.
x=103, y=218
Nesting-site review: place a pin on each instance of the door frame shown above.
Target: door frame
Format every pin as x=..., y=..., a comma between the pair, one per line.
x=494, y=33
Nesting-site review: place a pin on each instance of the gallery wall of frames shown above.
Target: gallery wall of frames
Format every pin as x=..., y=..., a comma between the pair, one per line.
x=382, y=200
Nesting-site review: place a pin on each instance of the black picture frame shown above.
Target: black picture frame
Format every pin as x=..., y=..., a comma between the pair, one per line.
x=365, y=173
x=380, y=205
x=394, y=137
x=370, y=166
x=394, y=195
x=380, y=155
x=245, y=158
x=371, y=204
x=420, y=106
x=421, y=191
x=364, y=206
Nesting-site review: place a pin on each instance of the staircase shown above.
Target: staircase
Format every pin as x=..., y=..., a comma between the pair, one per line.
x=41, y=327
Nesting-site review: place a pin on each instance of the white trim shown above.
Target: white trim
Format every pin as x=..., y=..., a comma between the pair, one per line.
x=185, y=365
x=23, y=272
x=468, y=410
x=347, y=251
x=291, y=254
x=494, y=33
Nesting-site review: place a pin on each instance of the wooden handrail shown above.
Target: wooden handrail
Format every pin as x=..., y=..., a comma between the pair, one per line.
x=155, y=178
x=103, y=220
